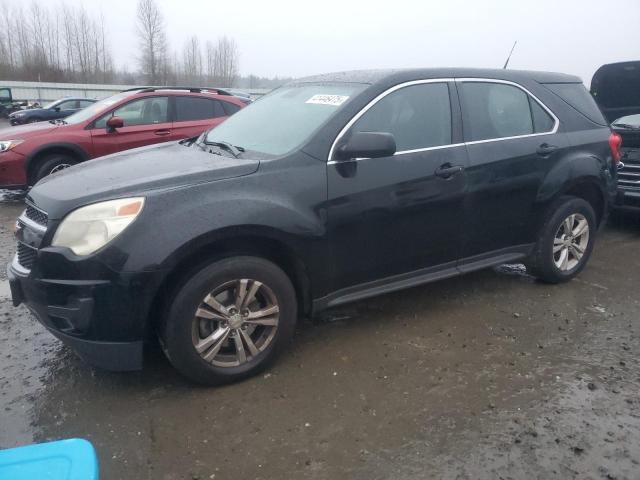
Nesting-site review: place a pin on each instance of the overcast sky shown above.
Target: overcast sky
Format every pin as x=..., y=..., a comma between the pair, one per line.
x=298, y=37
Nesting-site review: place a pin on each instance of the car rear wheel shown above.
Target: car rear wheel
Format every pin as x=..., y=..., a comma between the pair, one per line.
x=52, y=164
x=229, y=320
x=565, y=241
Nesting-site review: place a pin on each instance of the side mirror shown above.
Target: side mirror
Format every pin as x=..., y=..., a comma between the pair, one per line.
x=113, y=123
x=367, y=145
x=57, y=109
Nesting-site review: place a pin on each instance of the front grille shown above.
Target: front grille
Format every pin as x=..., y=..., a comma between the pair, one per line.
x=26, y=256
x=629, y=175
x=38, y=216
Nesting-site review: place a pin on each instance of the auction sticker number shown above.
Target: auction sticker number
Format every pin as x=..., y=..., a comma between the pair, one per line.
x=334, y=100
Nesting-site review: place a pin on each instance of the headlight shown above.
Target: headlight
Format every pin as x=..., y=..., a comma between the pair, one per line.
x=6, y=145
x=90, y=228
x=18, y=114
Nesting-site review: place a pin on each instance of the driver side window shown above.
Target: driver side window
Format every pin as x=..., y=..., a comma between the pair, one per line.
x=145, y=111
x=418, y=116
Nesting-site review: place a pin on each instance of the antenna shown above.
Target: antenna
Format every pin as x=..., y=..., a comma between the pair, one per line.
x=510, y=53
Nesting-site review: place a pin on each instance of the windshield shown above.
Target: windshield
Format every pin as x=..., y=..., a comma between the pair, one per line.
x=96, y=108
x=284, y=119
x=630, y=120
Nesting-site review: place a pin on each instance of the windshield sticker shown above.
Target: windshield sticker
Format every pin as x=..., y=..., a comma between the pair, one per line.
x=334, y=100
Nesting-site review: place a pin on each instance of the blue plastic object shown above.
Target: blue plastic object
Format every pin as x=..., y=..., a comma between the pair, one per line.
x=73, y=459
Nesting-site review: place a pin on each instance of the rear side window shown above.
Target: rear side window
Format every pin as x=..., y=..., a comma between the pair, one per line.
x=230, y=108
x=576, y=95
x=542, y=121
x=85, y=103
x=418, y=116
x=196, y=108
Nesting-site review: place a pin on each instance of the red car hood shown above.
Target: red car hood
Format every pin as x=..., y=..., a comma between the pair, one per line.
x=26, y=131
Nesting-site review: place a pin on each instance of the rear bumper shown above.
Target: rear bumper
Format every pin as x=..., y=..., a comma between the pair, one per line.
x=103, y=321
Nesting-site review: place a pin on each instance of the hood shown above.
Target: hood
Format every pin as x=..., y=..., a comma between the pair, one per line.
x=616, y=88
x=134, y=172
x=26, y=131
x=28, y=110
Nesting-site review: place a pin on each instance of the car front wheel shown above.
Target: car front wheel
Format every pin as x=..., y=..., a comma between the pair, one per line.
x=565, y=241
x=229, y=320
x=52, y=164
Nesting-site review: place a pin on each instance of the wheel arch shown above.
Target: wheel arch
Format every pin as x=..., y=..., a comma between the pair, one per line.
x=259, y=244
x=589, y=190
x=65, y=148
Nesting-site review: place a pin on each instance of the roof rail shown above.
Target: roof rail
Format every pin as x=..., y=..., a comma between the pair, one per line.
x=219, y=91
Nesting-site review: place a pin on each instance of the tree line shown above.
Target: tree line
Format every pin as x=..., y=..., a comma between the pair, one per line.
x=65, y=43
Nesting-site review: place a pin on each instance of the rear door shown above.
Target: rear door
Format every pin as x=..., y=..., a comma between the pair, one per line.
x=193, y=115
x=146, y=121
x=398, y=214
x=513, y=143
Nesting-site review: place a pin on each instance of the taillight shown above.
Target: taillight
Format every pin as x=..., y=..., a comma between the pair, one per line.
x=615, y=142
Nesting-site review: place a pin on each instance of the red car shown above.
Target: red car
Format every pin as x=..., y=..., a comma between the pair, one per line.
x=129, y=119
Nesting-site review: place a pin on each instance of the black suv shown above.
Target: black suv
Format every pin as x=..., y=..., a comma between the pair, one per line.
x=331, y=189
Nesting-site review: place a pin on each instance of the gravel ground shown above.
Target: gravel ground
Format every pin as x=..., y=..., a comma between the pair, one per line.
x=490, y=375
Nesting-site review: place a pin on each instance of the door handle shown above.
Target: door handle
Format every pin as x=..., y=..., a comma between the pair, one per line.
x=162, y=132
x=545, y=149
x=447, y=170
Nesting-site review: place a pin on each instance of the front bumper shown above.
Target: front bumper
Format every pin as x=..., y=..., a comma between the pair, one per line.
x=16, y=121
x=104, y=321
x=12, y=171
x=627, y=199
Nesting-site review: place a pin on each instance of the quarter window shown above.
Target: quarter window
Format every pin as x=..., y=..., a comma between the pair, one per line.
x=496, y=110
x=196, y=108
x=145, y=111
x=418, y=116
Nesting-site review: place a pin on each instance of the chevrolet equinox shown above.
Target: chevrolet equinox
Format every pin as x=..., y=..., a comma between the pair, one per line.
x=328, y=190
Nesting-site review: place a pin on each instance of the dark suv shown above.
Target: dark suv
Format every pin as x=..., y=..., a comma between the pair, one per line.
x=328, y=190
x=52, y=111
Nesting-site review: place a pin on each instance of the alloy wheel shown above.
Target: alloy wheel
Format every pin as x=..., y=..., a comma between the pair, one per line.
x=235, y=322
x=570, y=242
x=59, y=167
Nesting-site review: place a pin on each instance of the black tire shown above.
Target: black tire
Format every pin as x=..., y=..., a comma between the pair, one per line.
x=541, y=264
x=48, y=164
x=177, y=330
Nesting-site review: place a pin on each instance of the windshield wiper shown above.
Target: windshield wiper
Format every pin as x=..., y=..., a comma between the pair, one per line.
x=235, y=151
x=627, y=126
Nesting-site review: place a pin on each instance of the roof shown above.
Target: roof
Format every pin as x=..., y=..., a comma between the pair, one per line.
x=402, y=75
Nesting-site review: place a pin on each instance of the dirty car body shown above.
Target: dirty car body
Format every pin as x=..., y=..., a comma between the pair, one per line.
x=340, y=225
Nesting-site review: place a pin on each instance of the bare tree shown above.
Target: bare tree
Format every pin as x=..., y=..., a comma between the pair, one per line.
x=226, y=62
x=153, y=43
x=192, y=61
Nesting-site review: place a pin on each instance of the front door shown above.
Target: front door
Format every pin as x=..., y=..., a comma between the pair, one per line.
x=513, y=143
x=401, y=213
x=146, y=121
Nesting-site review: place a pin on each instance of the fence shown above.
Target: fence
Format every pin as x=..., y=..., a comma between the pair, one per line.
x=47, y=92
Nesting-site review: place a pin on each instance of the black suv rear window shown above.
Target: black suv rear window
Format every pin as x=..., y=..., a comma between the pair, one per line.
x=576, y=95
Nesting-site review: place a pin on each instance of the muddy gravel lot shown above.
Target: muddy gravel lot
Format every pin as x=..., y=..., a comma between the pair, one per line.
x=490, y=375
